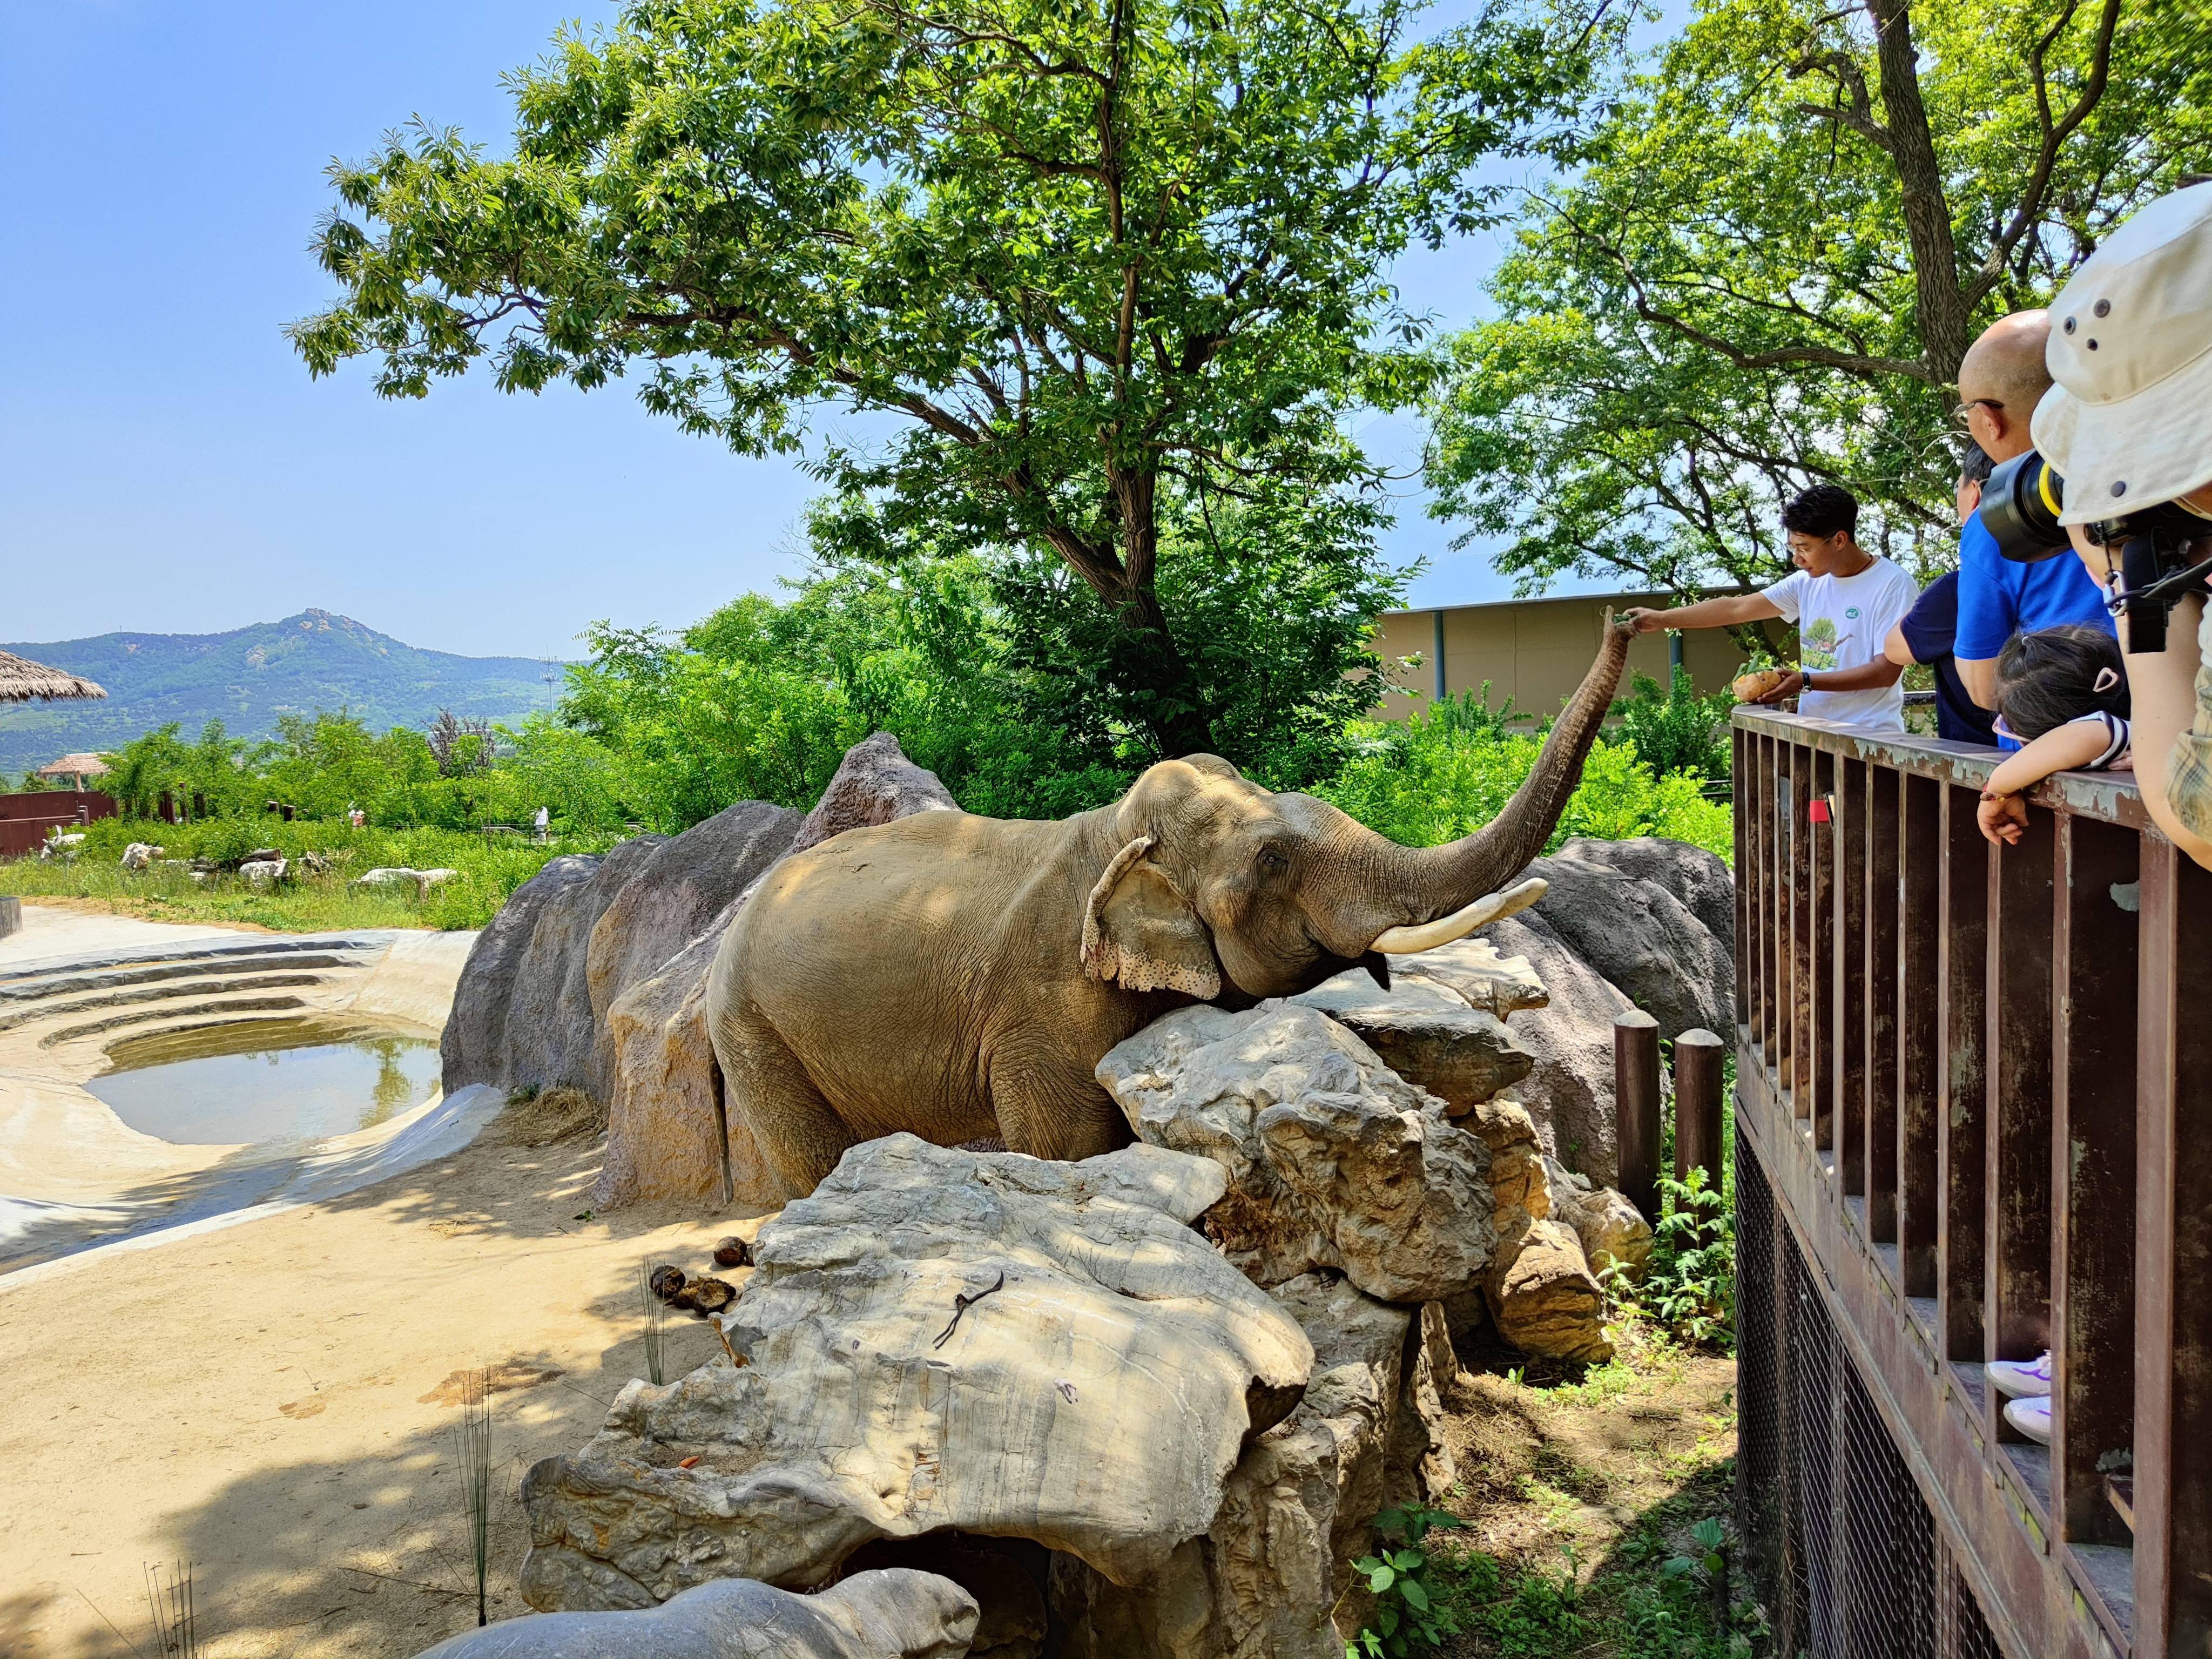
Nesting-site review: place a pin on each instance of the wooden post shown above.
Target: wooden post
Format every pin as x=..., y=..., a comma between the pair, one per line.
x=1636, y=1107
x=1698, y=1054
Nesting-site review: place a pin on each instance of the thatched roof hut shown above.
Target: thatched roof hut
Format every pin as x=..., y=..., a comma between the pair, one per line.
x=79, y=766
x=21, y=680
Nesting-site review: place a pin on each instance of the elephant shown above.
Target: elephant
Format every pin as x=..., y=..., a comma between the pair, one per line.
x=961, y=977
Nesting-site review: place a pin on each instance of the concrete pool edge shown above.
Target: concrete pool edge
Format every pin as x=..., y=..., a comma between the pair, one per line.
x=440, y=1127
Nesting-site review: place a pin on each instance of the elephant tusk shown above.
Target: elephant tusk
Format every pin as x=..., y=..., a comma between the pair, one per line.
x=1405, y=941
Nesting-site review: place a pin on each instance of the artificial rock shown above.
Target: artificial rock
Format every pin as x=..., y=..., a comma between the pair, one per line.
x=1656, y=919
x=938, y=1339
x=1334, y=1160
x=895, y=1613
x=1426, y=1032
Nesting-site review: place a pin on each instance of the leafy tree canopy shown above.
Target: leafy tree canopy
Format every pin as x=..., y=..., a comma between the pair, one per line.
x=1772, y=256
x=1088, y=254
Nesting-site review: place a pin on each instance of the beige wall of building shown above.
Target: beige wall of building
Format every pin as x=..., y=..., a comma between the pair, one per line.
x=1535, y=650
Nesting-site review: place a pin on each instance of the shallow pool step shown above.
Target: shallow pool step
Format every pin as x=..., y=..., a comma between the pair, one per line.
x=274, y=945
x=173, y=991
x=172, y=1011
x=39, y=995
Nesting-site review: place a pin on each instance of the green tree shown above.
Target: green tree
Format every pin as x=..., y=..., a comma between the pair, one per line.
x=1770, y=258
x=1080, y=253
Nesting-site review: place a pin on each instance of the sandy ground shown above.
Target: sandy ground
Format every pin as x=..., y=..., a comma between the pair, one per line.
x=265, y=1402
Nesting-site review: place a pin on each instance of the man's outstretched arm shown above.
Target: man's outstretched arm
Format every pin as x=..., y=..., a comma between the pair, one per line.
x=1705, y=613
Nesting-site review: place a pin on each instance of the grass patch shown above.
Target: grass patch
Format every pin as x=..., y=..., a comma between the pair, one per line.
x=538, y=1117
x=307, y=901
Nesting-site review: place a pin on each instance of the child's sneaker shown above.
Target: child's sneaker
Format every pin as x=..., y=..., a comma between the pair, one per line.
x=2031, y=1417
x=2021, y=1379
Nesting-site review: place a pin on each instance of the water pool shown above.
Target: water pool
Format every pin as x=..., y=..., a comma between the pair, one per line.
x=265, y=1081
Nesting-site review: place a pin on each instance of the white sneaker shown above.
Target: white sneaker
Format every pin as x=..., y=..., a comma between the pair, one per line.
x=2021, y=1379
x=2031, y=1417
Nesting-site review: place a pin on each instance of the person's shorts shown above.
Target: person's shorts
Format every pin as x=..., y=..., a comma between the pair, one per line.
x=2188, y=774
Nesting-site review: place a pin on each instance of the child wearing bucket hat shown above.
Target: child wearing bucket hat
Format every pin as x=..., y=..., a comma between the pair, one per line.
x=2128, y=424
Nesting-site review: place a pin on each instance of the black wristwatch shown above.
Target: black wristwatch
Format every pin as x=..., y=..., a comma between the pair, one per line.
x=1805, y=680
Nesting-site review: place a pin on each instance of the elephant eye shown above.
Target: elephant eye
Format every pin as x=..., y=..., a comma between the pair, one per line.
x=1272, y=862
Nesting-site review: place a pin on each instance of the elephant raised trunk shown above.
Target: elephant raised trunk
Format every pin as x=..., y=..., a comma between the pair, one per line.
x=1449, y=892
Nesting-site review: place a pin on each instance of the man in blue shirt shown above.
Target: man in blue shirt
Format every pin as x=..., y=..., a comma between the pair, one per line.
x=1929, y=633
x=2000, y=382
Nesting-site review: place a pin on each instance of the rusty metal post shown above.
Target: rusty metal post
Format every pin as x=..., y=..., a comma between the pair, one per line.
x=1698, y=1054
x=1636, y=1108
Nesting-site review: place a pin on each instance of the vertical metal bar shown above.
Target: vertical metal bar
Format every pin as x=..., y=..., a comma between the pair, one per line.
x=1846, y=1007
x=1920, y=1039
x=1820, y=952
x=1962, y=972
x=1879, y=966
x=1769, y=935
x=2173, y=1257
x=2093, y=1173
x=1636, y=1107
x=1443, y=684
x=2017, y=1118
x=1697, y=1056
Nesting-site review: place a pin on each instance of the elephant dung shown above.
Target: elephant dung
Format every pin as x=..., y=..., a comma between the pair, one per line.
x=1428, y=1034
x=1263, y=1582
x=894, y=1614
x=938, y=1339
x=1334, y=1160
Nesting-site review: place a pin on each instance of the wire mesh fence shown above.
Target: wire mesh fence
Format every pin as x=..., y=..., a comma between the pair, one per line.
x=1841, y=1548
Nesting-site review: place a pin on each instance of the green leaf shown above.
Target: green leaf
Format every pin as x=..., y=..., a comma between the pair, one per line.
x=1381, y=1579
x=1416, y=1597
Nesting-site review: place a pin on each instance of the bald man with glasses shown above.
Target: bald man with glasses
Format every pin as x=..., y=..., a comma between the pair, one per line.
x=2001, y=380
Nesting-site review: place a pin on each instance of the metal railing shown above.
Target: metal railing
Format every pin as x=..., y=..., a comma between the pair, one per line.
x=1975, y=1087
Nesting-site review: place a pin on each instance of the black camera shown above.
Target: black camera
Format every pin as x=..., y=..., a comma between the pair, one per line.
x=2020, y=505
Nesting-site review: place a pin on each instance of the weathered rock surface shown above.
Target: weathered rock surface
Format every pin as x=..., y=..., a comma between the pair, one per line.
x=1604, y=1220
x=1569, y=1090
x=401, y=875
x=473, y=1046
x=895, y=1613
x=1427, y=1033
x=1655, y=918
x=139, y=854
x=1482, y=976
x=1092, y=1394
x=1333, y=1159
x=264, y=872
x=1263, y=1581
x=1540, y=1292
x=678, y=889
x=670, y=1132
x=874, y=783
x=550, y=1038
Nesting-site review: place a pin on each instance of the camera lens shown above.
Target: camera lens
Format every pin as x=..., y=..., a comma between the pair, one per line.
x=2020, y=505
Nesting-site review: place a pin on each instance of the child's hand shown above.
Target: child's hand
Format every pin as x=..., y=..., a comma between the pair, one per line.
x=2003, y=818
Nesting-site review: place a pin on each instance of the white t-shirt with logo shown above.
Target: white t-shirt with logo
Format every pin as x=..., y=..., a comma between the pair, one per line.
x=1842, y=622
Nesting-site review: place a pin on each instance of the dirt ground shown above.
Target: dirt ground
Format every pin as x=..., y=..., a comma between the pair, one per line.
x=273, y=1403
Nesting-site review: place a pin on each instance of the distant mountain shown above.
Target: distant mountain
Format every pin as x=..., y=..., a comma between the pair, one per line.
x=248, y=678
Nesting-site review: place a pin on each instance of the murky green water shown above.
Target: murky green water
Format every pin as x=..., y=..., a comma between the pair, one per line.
x=266, y=1080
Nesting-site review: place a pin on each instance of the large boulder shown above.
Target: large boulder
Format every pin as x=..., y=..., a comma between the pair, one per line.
x=1427, y=1032
x=670, y=1134
x=1477, y=973
x=473, y=1046
x=1570, y=1089
x=874, y=783
x=1333, y=1159
x=895, y=1613
x=1540, y=1291
x=1266, y=1579
x=551, y=1039
x=1655, y=918
x=938, y=1339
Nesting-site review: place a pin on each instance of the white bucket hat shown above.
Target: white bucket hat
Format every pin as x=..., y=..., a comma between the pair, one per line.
x=2128, y=421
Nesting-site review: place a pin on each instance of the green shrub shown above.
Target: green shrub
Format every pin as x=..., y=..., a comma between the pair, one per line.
x=1450, y=770
x=1676, y=730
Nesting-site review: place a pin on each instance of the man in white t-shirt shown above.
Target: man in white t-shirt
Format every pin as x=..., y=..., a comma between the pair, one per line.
x=1844, y=601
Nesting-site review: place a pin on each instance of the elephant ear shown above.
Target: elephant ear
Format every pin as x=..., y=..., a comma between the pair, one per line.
x=1139, y=929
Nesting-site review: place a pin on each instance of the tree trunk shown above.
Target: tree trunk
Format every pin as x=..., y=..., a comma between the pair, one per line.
x=1178, y=716
x=1942, y=310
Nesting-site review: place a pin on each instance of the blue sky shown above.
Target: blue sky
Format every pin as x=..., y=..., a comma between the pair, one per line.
x=167, y=465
